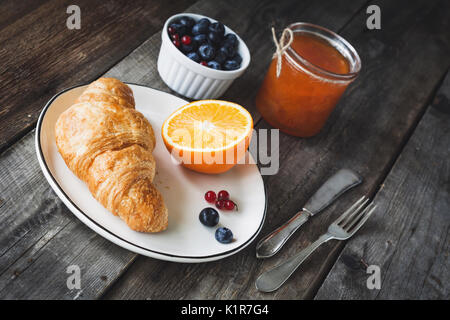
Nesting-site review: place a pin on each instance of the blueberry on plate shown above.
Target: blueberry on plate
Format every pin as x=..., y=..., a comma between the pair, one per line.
x=206, y=52
x=231, y=39
x=187, y=21
x=193, y=56
x=237, y=57
x=214, y=65
x=231, y=65
x=209, y=217
x=200, y=39
x=218, y=28
x=221, y=56
x=224, y=235
x=215, y=37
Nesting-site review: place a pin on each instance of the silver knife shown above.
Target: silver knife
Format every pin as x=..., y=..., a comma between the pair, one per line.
x=335, y=186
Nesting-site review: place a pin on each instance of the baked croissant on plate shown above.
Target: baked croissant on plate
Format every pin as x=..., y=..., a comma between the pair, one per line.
x=108, y=145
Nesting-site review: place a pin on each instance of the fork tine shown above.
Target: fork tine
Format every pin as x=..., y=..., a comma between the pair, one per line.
x=350, y=210
x=355, y=213
x=351, y=221
x=367, y=212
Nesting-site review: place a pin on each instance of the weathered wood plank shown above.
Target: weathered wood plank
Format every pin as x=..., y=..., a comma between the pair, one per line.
x=40, y=237
x=402, y=64
x=14, y=10
x=40, y=55
x=408, y=236
x=44, y=238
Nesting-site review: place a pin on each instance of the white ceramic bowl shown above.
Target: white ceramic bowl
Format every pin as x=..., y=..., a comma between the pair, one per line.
x=190, y=78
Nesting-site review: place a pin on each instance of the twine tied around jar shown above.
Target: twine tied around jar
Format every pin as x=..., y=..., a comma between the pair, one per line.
x=281, y=46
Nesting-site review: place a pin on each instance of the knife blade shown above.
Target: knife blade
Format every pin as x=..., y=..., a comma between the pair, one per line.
x=332, y=189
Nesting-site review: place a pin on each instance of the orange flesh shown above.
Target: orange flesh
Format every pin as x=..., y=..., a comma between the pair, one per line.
x=298, y=102
x=207, y=126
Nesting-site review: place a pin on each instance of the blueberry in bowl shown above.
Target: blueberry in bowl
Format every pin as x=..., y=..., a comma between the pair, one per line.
x=206, y=52
x=201, y=27
x=187, y=21
x=200, y=39
x=214, y=65
x=231, y=65
x=195, y=54
x=231, y=39
x=208, y=39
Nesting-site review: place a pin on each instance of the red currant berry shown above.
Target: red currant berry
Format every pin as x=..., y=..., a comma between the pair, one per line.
x=176, y=43
x=171, y=30
x=229, y=205
x=186, y=40
x=175, y=36
x=204, y=63
x=210, y=196
x=223, y=195
x=220, y=204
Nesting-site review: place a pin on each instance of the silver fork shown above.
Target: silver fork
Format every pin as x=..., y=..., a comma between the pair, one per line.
x=343, y=228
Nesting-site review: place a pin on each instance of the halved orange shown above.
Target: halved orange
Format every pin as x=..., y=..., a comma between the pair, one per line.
x=208, y=136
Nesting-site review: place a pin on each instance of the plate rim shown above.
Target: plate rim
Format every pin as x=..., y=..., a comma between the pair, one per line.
x=104, y=232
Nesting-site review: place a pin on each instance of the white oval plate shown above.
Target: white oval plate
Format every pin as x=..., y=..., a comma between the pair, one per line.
x=186, y=239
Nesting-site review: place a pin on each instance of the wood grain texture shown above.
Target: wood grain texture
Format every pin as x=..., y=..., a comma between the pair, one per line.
x=408, y=236
x=41, y=56
x=40, y=237
x=35, y=251
x=402, y=64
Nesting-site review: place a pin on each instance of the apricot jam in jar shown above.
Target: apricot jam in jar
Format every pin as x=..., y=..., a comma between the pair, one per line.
x=316, y=69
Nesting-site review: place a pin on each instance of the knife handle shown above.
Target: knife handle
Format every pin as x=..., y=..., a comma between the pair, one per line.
x=272, y=243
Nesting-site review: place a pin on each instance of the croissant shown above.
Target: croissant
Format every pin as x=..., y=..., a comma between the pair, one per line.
x=108, y=144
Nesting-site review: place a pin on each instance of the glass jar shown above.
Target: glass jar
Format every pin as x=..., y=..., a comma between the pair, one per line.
x=316, y=69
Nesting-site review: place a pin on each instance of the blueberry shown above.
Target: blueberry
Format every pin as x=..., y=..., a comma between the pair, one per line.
x=221, y=56
x=193, y=56
x=218, y=28
x=231, y=65
x=200, y=39
x=231, y=39
x=187, y=21
x=179, y=28
x=214, y=65
x=215, y=45
x=189, y=47
x=199, y=29
x=229, y=50
x=224, y=235
x=215, y=37
x=237, y=57
x=206, y=52
x=204, y=21
x=209, y=217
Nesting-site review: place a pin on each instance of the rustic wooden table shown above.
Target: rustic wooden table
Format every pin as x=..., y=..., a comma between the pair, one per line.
x=392, y=126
